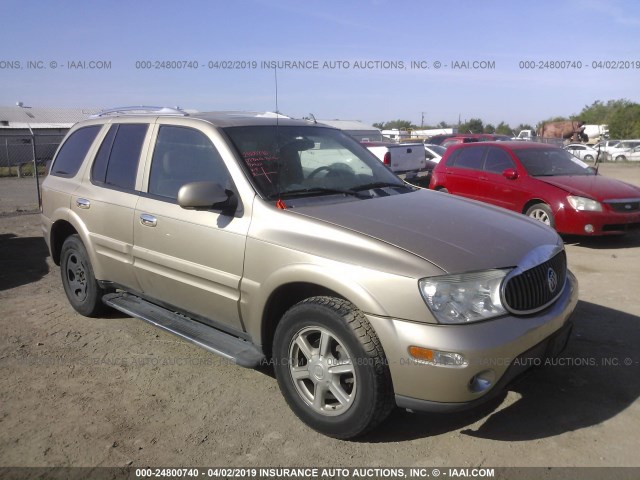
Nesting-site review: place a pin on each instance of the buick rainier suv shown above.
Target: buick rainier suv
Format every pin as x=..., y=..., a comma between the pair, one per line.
x=269, y=240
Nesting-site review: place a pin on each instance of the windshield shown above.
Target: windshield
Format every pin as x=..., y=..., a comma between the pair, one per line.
x=307, y=160
x=550, y=162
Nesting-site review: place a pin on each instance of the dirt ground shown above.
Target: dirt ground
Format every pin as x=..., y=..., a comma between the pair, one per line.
x=115, y=391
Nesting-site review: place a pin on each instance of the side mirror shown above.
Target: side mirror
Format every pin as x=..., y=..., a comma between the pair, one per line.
x=510, y=174
x=207, y=195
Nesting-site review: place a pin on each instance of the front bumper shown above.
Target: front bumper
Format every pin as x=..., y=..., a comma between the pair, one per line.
x=607, y=222
x=499, y=349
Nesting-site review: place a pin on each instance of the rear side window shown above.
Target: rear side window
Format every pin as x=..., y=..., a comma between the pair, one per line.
x=73, y=151
x=116, y=164
x=99, y=169
x=470, y=158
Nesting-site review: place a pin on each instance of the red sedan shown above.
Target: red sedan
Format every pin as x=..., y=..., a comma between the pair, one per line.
x=544, y=182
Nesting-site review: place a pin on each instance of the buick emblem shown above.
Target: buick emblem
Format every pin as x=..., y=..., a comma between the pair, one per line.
x=552, y=280
x=627, y=206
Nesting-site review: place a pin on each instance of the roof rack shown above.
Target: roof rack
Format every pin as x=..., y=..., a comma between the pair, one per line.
x=141, y=110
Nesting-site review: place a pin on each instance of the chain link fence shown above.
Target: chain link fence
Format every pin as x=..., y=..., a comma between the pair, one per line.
x=19, y=150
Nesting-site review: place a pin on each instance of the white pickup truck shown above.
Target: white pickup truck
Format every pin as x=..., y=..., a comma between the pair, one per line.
x=401, y=158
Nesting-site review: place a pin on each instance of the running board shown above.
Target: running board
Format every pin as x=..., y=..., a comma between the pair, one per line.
x=241, y=352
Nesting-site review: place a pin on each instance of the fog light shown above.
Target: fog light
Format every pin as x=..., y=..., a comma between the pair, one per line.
x=482, y=381
x=588, y=228
x=434, y=357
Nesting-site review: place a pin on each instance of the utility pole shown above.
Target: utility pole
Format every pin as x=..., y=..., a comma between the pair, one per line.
x=422, y=121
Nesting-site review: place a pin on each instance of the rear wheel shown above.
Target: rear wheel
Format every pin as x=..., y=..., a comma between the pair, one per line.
x=80, y=285
x=620, y=158
x=588, y=158
x=542, y=213
x=331, y=368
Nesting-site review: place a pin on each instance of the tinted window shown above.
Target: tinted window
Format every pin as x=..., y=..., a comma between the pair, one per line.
x=73, y=151
x=183, y=155
x=498, y=161
x=99, y=169
x=125, y=155
x=470, y=158
x=548, y=162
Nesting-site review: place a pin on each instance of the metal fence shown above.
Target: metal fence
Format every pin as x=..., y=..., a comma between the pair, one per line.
x=18, y=150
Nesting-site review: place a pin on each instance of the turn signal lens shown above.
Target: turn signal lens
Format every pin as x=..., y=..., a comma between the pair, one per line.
x=421, y=353
x=437, y=358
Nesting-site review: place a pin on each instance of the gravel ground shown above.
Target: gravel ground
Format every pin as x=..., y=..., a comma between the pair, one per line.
x=115, y=391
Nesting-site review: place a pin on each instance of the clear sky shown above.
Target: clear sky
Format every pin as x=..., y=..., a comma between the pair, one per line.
x=53, y=34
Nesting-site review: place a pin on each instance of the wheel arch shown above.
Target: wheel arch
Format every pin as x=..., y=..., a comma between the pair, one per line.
x=533, y=202
x=60, y=231
x=295, y=283
x=282, y=299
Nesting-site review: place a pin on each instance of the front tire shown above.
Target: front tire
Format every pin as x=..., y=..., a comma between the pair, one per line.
x=542, y=213
x=331, y=368
x=80, y=285
x=620, y=158
x=588, y=158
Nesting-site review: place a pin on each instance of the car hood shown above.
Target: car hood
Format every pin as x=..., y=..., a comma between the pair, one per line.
x=455, y=234
x=593, y=186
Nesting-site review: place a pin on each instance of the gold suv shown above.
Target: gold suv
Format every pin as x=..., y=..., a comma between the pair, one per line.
x=271, y=240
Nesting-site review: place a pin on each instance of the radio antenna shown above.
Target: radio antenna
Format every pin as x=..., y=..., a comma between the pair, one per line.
x=275, y=74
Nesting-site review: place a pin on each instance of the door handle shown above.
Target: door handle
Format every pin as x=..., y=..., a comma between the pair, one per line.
x=83, y=203
x=148, y=220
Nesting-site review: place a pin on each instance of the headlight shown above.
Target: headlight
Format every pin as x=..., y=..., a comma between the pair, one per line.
x=464, y=298
x=584, y=204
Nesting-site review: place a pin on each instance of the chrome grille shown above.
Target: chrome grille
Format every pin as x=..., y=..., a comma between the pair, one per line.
x=537, y=287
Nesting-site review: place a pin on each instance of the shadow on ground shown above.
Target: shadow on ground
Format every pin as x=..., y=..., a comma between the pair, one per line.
x=593, y=380
x=23, y=260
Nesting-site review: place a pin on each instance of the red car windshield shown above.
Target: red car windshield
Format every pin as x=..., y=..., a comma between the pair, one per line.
x=551, y=162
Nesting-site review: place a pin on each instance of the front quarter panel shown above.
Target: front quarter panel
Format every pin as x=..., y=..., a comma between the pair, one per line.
x=285, y=248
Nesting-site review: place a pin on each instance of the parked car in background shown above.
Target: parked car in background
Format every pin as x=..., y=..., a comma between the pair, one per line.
x=433, y=155
x=401, y=158
x=541, y=181
x=475, y=137
x=632, y=154
x=459, y=139
x=583, y=152
x=438, y=139
x=606, y=145
x=618, y=152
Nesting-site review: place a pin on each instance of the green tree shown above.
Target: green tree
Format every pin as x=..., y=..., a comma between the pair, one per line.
x=472, y=126
x=625, y=123
x=488, y=128
x=399, y=124
x=504, y=129
x=600, y=113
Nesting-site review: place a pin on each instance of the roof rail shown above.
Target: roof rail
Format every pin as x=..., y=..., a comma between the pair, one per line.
x=141, y=110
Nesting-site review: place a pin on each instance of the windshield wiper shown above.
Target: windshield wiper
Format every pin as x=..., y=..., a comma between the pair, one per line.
x=369, y=186
x=311, y=191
